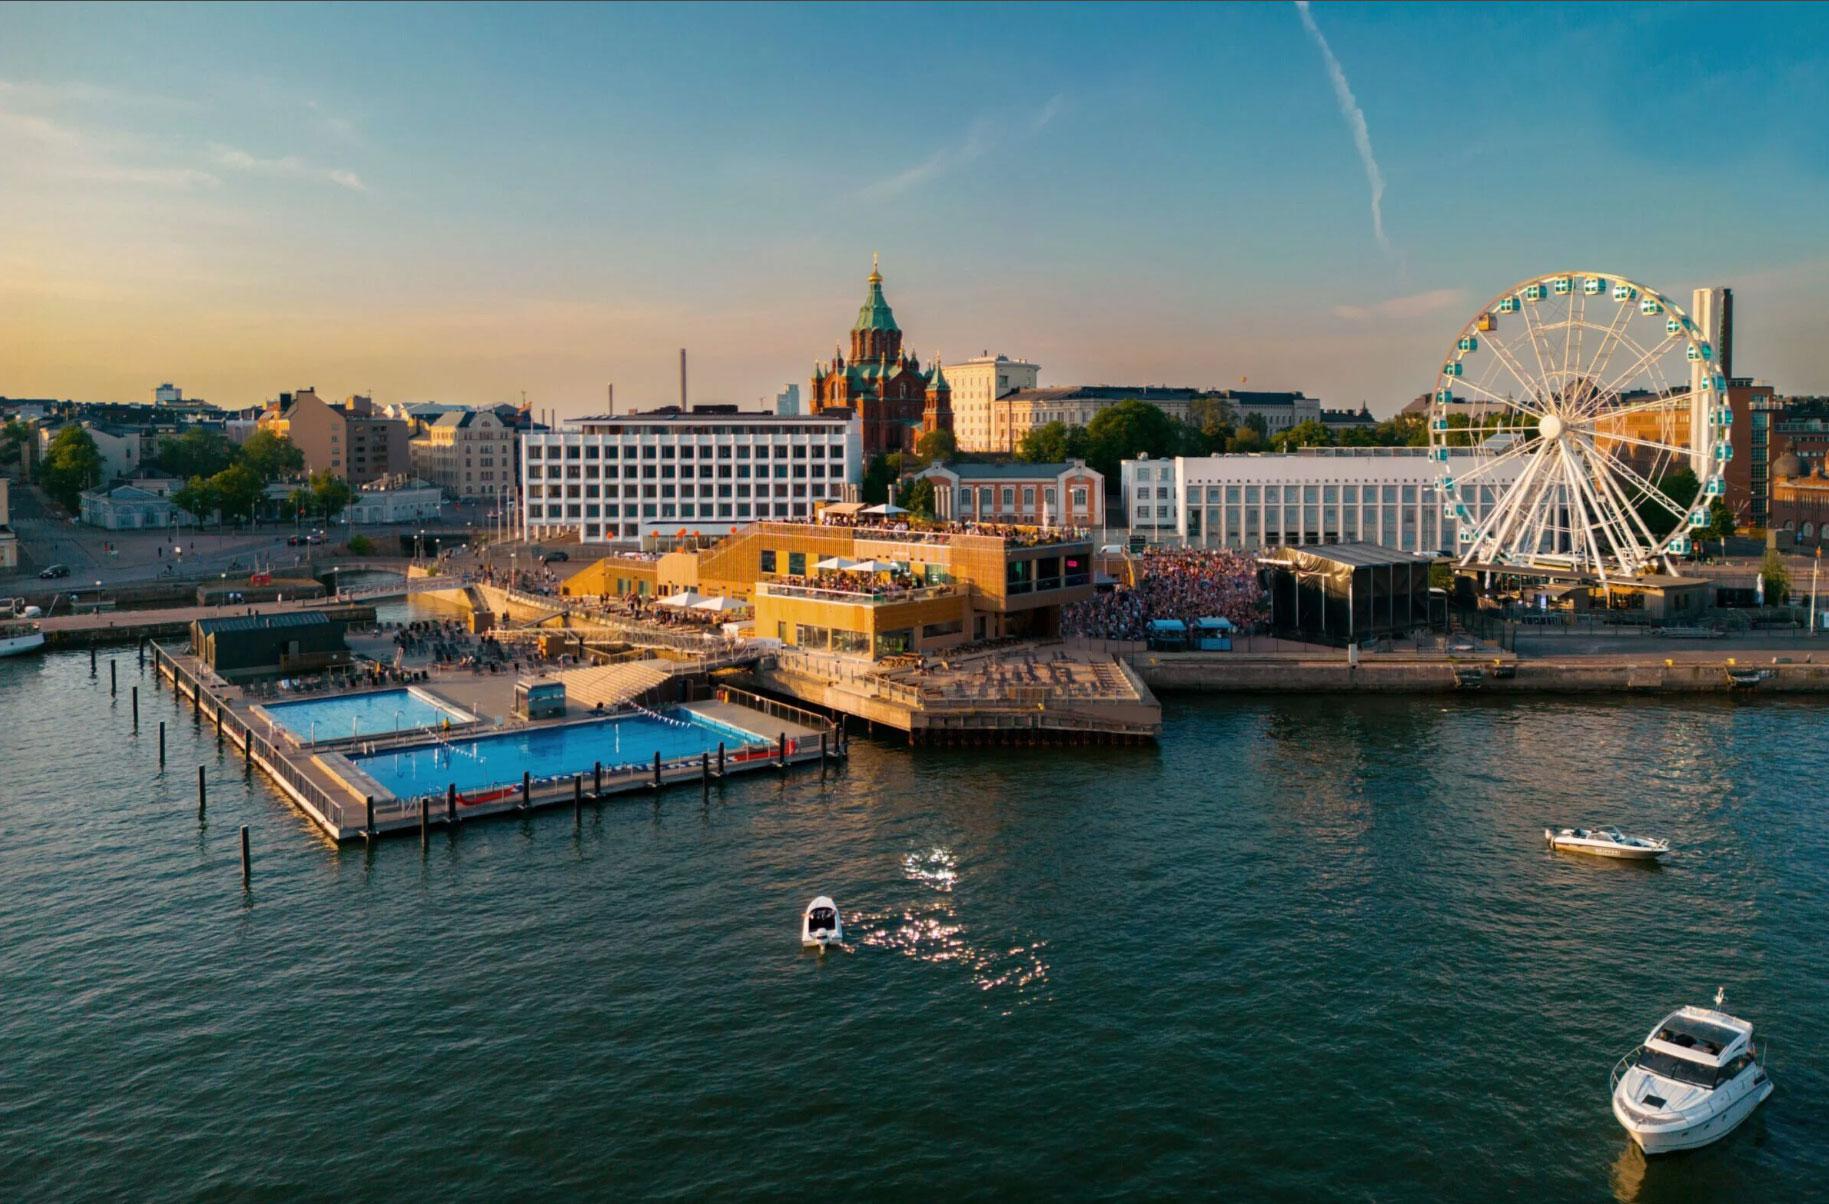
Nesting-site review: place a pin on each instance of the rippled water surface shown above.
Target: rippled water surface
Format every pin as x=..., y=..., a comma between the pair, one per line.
x=1307, y=949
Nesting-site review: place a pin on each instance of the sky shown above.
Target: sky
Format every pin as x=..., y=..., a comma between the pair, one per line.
x=473, y=203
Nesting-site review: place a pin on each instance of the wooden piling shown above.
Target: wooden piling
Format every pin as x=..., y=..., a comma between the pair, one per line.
x=720, y=758
x=577, y=800
x=92, y=660
x=705, y=773
x=657, y=769
x=200, y=792
x=247, y=862
x=451, y=803
x=781, y=752
x=135, y=692
x=425, y=820
x=161, y=744
x=597, y=781
x=113, y=687
x=368, y=816
x=526, y=789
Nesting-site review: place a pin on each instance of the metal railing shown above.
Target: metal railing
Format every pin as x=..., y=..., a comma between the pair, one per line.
x=777, y=710
x=860, y=597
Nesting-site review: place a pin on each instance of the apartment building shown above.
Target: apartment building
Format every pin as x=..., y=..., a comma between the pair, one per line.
x=467, y=453
x=352, y=440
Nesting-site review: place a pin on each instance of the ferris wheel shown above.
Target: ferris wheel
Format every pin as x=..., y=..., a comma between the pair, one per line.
x=1579, y=422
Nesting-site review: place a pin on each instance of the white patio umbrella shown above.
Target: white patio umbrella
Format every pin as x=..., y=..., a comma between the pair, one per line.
x=836, y=562
x=886, y=508
x=720, y=605
x=685, y=597
x=874, y=566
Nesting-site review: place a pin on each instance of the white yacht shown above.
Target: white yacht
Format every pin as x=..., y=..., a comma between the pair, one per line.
x=18, y=638
x=1606, y=842
x=1696, y=1077
x=820, y=926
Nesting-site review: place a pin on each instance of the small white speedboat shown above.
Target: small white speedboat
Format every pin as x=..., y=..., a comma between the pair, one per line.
x=1606, y=842
x=1692, y=1082
x=820, y=926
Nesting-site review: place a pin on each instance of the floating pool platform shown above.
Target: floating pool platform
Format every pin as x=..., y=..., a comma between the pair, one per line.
x=365, y=784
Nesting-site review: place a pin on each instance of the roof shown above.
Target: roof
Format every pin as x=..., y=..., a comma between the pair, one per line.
x=1009, y=471
x=875, y=313
x=1353, y=555
x=296, y=618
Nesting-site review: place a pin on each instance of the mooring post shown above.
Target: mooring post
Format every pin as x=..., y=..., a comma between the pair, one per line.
x=113, y=689
x=781, y=752
x=657, y=769
x=425, y=819
x=705, y=773
x=247, y=863
x=200, y=795
x=368, y=816
x=597, y=782
x=92, y=660
x=161, y=744
x=451, y=803
x=577, y=800
x=134, y=691
x=720, y=758
x=526, y=789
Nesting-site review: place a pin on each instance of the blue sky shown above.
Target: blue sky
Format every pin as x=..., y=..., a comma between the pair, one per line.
x=464, y=203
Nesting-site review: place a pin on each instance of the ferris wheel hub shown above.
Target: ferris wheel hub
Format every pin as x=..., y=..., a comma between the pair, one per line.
x=1550, y=427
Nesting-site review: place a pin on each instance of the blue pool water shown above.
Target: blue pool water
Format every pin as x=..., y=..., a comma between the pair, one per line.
x=482, y=762
x=374, y=714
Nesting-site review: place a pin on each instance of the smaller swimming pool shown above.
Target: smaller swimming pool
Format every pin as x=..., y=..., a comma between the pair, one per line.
x=352, y=716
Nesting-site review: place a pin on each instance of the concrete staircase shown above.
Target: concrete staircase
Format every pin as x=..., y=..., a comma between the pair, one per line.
x=612, y=685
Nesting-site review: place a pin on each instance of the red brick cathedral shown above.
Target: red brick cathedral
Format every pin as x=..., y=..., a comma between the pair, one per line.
x=885, y=385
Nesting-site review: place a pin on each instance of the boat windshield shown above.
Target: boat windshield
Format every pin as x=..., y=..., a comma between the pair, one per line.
x=821, y=917
x=1695, y=1074
x=1693, y=1033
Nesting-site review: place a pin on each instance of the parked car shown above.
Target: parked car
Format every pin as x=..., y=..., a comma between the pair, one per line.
x=293, y=541
x=554, y=557
x=54, y=571
x=315, y=537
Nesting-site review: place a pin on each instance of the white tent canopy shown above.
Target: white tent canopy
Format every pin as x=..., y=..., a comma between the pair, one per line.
x=874, y=566
x=720, y=605
x=836, y=562
x=885, y=508
x=685, y=597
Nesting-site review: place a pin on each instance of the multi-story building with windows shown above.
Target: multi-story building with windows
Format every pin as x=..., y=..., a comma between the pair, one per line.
x=1061, y=495
x=353, y=440
x=617, y=478
x=467, y=453
x=979, y=424
x=1382, y=495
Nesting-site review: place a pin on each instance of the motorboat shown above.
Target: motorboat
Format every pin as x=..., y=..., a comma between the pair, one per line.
x=17, y=638
x=1606, y=842
x=1692, y=1082
x=820, y=926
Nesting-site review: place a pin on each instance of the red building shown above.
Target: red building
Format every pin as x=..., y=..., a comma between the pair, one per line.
x=884, y=385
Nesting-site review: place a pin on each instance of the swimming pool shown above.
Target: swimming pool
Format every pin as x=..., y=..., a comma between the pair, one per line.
x=379, y=713
x=480, y=762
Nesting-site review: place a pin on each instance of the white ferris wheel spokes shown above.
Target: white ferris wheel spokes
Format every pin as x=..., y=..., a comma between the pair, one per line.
x=1578, y=422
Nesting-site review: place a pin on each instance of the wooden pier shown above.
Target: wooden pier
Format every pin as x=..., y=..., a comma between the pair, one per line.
x=323, y=792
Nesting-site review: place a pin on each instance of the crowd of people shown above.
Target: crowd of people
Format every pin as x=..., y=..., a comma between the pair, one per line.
x=881, y=585
x=1171, y=583
x=1011, y=533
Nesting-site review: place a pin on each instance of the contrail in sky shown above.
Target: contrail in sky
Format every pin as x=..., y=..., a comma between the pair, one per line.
x=1355, y=119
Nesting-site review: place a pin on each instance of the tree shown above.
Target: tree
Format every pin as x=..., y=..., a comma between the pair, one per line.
x=1720, y=524
x=1307, y=433
x=195, y=454
x=1246, y=439
x=13, y=438
x=919, y=497
x=1127, y=430
x=238, y=489
x=1052, y=443
x=1680, y=486
x=1776, y=576
x=71, y=465
x=936, y=447
x=272, y=456
x=198, y=497
x=330, y=494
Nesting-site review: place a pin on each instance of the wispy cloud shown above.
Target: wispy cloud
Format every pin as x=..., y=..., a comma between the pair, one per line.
x=286, y=167
x=1355, y=120
x=1416, y=305
x=80, y=92
x=980, y=138
x=65, y=152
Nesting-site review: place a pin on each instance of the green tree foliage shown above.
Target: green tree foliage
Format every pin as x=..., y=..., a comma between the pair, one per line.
x=1776, y=576
x=272, y=456
x=919, y=497
x=71, y=465
x=936, y=447
x=1307, y=433
x=1680, y=486
x=238, y=489
x=361, y=545
x=195, y=454
x=198, y=497
x=1129, y=429
x=1246, y=439
x=877, y=479
x=1720, y=524
x=13, y=438
x=1052, y=443
x=1405, y=430
x=329, y=495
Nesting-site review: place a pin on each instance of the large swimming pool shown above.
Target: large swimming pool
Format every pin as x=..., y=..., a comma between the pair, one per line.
x=481, y=762
x=379, y=713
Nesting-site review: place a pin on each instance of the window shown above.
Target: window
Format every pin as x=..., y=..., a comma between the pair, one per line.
x=768, y=560
x=797, y=564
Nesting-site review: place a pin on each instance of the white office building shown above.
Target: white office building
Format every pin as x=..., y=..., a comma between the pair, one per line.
x=1382, y=495
x=617, y=478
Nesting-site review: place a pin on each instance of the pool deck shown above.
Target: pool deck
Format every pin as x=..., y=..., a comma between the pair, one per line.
x=327, y=787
